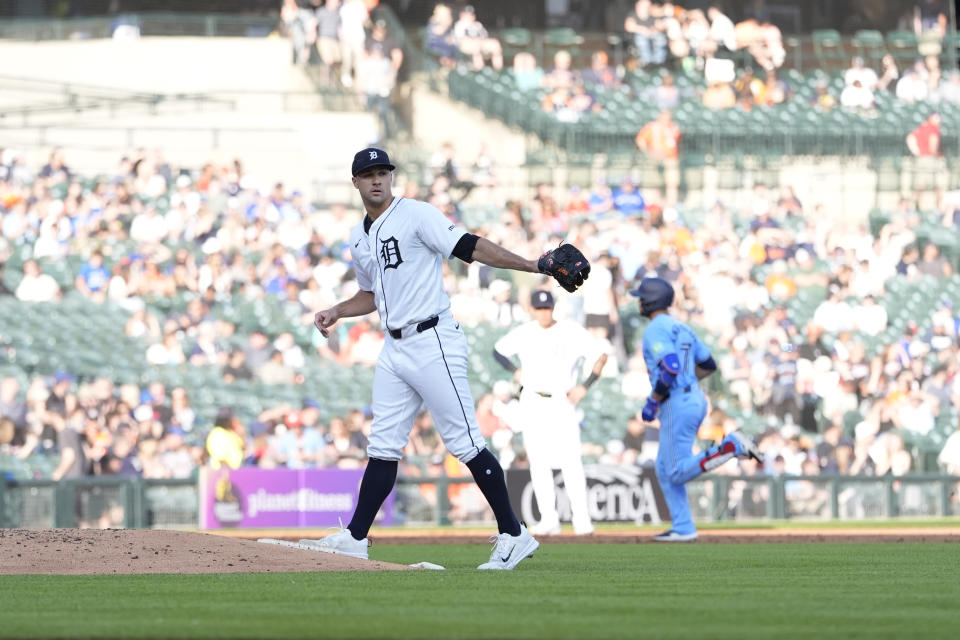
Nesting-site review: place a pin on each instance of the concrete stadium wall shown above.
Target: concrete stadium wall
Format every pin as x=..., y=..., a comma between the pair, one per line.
x=261, y=109
x=159, y=64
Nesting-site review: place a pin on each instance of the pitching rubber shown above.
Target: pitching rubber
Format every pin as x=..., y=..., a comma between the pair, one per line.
x=287, y=543
x=297, y=545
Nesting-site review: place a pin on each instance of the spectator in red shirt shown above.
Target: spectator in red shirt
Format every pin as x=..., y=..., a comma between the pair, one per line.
x=925, y=139
x=577, y=204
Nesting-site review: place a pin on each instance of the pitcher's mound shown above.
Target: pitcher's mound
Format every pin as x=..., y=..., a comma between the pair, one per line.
x=96, y=551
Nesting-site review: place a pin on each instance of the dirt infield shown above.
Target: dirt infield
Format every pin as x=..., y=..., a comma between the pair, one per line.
x=734, y=536
x=127, y=551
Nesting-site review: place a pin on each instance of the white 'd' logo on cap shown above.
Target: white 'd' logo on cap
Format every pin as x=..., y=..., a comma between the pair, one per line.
x=373, y=155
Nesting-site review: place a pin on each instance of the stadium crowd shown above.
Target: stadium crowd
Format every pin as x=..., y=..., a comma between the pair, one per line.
x=827, y=391
x=343, y=37
x=832, y=404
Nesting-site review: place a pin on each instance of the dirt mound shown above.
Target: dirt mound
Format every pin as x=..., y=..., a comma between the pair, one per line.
x=109, y=551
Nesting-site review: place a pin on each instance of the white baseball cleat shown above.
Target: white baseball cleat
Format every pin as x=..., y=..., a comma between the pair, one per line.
x=342, y=543
x=584, y=531
x=544, y=528
x=675, y=536
x=509, y=550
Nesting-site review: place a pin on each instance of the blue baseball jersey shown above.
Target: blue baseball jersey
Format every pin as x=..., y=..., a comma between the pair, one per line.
x=666, y=335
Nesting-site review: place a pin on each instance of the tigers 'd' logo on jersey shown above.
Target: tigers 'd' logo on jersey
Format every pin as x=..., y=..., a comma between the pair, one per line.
x=390, y=253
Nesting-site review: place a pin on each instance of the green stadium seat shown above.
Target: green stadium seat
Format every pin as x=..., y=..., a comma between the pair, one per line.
x=562, y=38
x=869, y=44
x=794, y=76
x=828, y=46
x=514, y=41
x=950, y=50
x=903, y=46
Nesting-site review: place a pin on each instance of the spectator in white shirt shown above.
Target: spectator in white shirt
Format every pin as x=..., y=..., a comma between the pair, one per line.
x=37, y=286
x=870, y=317
x=949, y=90
x=856, y=96
x=949, y=457
x=833, y=314
x=868, y=278
x=912, y=87
x=353, y=17
x=916, y=414
x=473, y=40
x=148, y=227
x=722, y=30
x=866, y=76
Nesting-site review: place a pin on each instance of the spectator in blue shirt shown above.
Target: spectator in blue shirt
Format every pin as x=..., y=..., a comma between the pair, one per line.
x=299, y=447
x=601, y=198
x=56, y=170
x=93, y=278
x=627, y=199
x=277, y=282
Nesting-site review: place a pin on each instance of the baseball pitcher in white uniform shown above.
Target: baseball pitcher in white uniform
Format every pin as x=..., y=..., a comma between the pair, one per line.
x=398, y=252
x=551, y=355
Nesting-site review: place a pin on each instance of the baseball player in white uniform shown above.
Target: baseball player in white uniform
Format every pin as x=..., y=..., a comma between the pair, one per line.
x=551, y=355
x=398, y=251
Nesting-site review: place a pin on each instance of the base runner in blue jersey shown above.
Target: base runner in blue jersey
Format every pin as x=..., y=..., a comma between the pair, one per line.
x=677, y=360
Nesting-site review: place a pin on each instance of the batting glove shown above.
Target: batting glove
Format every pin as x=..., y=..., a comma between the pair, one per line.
x=649, y=412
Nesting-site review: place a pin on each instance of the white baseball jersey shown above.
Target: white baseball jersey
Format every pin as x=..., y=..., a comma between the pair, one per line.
x=550, y=359
x=400, y=259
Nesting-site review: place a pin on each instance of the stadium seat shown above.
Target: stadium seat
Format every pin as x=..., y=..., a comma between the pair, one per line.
x=870, y=46
x=950, y=50
x=515, y=40
x=828, y=46
x=903, y=46
x=562, y=38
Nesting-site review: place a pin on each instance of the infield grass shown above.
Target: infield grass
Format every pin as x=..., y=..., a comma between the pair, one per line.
x=848, y=590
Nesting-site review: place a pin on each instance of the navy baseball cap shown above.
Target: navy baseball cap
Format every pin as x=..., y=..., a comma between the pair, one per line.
x=541, y=300
x=371, y=157
x=63, y=376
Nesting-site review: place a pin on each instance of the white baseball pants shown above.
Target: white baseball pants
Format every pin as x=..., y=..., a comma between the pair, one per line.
x=551, y=436
x=428, y=368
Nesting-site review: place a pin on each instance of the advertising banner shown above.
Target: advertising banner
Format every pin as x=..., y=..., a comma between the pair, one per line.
x=254, y=498
x=614, y=494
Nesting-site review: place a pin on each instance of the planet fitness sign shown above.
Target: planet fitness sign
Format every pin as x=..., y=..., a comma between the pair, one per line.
x=254, y=498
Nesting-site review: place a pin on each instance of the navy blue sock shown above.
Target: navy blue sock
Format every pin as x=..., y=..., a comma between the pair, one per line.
x=378, y=480
x=488, y=474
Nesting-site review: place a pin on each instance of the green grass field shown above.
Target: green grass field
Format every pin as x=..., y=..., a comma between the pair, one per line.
x=566, y=591
x=940, y=522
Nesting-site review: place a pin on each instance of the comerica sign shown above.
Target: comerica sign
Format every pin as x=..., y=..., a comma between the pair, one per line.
x=614, y=494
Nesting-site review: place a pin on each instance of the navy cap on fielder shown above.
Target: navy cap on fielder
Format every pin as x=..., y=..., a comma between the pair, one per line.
x=541, y=300
x=654, y=294
x=370, y=157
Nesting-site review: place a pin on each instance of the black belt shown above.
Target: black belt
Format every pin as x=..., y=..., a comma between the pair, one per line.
x=429, y=323
x=543, y=394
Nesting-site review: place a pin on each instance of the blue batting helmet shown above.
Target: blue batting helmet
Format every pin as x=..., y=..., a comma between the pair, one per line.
x=654, y=294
